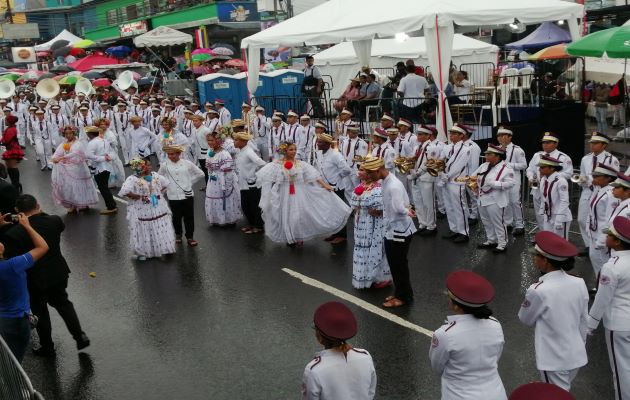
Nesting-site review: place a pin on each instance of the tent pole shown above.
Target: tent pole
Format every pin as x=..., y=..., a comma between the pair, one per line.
x=625, y=100
x=437, y=31
x=158, y=57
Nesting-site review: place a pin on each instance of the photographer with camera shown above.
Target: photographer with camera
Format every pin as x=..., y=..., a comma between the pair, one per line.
x=14, y=298
x=48, y=279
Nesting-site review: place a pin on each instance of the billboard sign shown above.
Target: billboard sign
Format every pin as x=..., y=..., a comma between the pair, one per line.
x=20, y=31
x=23, y=54
x=237, y=12
x=133, y=28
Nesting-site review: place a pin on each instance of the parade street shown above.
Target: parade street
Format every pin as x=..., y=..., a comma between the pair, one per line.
x=232, y=318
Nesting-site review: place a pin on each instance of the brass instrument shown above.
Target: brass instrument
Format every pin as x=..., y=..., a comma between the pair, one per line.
x=434, y=167
x=359, y=159
x=471, y=182
x=533, y=183
x=404, y=164
x=578, y=179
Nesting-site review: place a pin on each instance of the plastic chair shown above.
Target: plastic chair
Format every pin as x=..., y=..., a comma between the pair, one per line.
x=509, y=77
x=526, y=74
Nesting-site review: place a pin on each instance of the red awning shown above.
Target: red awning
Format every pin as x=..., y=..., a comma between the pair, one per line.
x=87, y=63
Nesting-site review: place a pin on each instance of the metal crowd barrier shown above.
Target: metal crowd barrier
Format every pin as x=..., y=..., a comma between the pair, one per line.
x=14, y=383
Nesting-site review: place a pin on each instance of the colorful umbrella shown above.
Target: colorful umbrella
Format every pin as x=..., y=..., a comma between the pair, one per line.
x=59, y=77
x=118, y=51
x=59, y=44
x=61, y=69
x=92, y=75
x=88, y=63
x=612, y=42
x=551, y=53
x=102, y=82
x=69, y=80
x=202, y=51
x=223, y=51
x=30, y=76
x=47, y=75
x=225, y=45
x=82, y=44
x=236, y=63
x=75, y=51
x=42, y=53
x=11, y=76
x=202, y=57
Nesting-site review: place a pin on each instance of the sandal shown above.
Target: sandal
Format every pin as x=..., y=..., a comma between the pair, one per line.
x=178, y=239
x=256, y=230
x=393, y=303
x=246, y=229
x=388, y=298
x=192, y=242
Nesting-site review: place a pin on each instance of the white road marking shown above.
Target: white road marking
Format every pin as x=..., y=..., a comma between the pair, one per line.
x=358, y=302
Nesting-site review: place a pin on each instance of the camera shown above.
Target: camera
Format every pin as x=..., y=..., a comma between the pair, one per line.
x=13, y=218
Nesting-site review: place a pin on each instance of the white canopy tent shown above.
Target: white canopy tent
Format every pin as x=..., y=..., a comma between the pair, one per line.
x=162, y=36
x=342, y=63
x=337, y=21
x=607, y=70
x=64, y=35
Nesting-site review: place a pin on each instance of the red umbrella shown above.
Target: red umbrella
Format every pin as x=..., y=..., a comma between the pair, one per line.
x=236, y=63
x=87, y=63
x=102, y=82
x=42, y=53
x=76, y=51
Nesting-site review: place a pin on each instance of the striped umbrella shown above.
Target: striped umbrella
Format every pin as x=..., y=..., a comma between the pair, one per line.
x=555, y=52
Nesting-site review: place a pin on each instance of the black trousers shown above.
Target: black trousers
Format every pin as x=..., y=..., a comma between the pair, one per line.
x=183, y=209
x=314, y=98
x=57, y=297
x=102, y=182
x=396, y=253
x=343, y=233
x=249, y=203
x=202, y=165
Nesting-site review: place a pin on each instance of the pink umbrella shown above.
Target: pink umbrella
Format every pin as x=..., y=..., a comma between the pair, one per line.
x=87, y=63
x=102, y=82
x=236, y=63
x=203, y=51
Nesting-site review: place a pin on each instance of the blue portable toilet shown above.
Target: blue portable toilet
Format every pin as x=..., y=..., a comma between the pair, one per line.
x=281, y=90
x=286, y=82
x=201, y=89
x=225, y=87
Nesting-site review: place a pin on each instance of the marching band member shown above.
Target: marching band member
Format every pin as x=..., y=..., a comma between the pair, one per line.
x=387, y=121
x=600, y=205
x=212, y=121
x=353, y=149
x=550, y=148
x=19, y=110
x=117, y=173
x=247, y=162
x=457, y=165
x=44, y=134
x=67, y=105
x=82, y=120
x=30, y=120
x=76, y=103
x=494, y=180
x=621, y=191
x=276, y=136
x=465, y=351
x=145, y=113
x=515, y=158
x=261, y=125
x=168, y=111
x=225, y=117
x=186, y=126
x=406, y=137
x=134, y=107
x=339, y=371
x=342, y=122
x=247, y=115
x=422, y=183
x=382, y=149
x=155, y=121
x=333, y=169
x=72, y=184
x=57, y=119
x=598, y=155
x=295, y=134
x=194, y=107
x=178, y=111
x=142, y=140
x=199, y=135
x=309, y=137
x=473, y=164
x=121, y=126
x=557, y=306
x=105, y=111
x=208, y=106
x=611, y=305
x=393, y=140
x=554, y=193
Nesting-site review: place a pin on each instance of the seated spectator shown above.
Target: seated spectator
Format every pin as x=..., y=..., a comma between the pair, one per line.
x=462, y=86
x=351, y=93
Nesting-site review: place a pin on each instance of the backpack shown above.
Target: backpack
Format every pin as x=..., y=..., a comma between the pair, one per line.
x=616, y=93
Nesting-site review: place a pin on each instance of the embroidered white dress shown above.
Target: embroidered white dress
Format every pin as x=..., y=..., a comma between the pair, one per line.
x=223, y=197
x=369, y=264
x=295, y=207
x=72, y=183
x=150, y=228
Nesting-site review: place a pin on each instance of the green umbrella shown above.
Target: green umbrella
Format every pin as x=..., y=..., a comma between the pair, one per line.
x=12, y=77
x=202, y=57
x=69, y=80
x=613, y=42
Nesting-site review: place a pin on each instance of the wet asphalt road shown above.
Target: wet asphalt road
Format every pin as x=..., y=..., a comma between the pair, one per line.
x=223, y=321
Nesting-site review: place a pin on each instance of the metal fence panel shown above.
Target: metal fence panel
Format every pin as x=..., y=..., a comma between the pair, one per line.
x=14, y=383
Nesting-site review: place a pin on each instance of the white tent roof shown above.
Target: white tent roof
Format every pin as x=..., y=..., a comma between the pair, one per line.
x=607, y=70
x=412, y=48
x=346, y=20
x=64, y=35
x=162, y=36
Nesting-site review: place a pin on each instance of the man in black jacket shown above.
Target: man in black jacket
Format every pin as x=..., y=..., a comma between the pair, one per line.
x=8, y=192
x=48, y=279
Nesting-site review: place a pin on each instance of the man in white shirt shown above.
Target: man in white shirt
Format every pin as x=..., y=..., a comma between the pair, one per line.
x=261, y=126
x=142, y=140
x=334, y=170
x=308, y=133
x=295, y=134
x=353, y=149
x=312, y=86
x=515, y=158
x=57, y=119
x=181, y=175
x=44, y=134
x=99, y=155
x=155, y=121
x=225, y=117
x=247, y=163
x=199, y=135
x=399, y=229
x=411, y=88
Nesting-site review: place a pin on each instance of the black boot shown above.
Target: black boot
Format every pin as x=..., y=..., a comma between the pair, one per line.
x=14, y=175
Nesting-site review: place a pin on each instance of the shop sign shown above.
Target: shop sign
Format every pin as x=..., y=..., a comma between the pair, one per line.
x=237, y=12
x=133, y=28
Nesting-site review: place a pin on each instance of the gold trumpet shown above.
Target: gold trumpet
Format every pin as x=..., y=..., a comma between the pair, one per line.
x=404, y=164
x=434, y=167
x=578, y=179
x=471, y=182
